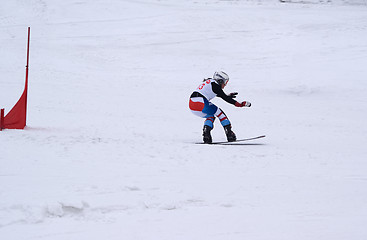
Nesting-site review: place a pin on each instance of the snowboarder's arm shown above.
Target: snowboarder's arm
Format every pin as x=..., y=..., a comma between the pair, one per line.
x=218, y=90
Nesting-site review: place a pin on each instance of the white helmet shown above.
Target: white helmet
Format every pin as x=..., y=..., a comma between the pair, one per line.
x=221, y=77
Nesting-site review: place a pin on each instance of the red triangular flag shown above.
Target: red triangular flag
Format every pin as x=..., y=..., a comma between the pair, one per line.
x=17, y=117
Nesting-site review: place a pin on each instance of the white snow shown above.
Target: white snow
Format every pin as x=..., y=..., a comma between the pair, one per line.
x=108, y=149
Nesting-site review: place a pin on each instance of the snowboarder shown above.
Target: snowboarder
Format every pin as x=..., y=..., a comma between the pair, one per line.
x=201, y=106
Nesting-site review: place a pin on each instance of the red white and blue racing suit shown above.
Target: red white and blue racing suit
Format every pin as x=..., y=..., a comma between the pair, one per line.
x=201, y=106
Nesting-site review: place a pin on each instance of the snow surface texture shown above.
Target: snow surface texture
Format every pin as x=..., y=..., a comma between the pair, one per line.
x=108, y=152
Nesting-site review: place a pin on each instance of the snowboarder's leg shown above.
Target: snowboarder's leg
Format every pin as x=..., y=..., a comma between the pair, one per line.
x=209, y=121
x=222, y=117
x=208, y=111
x=231, y=136
x=208, y=126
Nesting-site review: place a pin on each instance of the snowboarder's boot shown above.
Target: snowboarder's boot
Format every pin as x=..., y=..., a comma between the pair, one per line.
x=207, y=138
x=231, y=137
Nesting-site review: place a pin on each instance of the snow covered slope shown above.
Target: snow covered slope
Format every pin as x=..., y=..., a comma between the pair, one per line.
x=108, y=152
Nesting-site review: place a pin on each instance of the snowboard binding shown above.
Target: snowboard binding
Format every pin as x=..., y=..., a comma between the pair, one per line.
x=231, y=137
x=207, y=137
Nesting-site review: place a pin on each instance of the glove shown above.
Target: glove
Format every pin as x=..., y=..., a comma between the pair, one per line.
x=233, y=94
x=243, y=104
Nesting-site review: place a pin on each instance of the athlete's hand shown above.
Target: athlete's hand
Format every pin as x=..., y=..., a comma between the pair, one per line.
x=243, y=104
x=233, y=94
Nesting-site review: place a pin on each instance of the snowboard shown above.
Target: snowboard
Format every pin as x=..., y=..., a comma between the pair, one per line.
x=234, y=142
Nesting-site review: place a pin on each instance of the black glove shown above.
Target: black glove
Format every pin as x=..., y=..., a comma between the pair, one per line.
x=233, y=94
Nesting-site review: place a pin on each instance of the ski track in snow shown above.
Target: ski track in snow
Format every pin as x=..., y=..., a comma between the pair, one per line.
x=109, y=153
